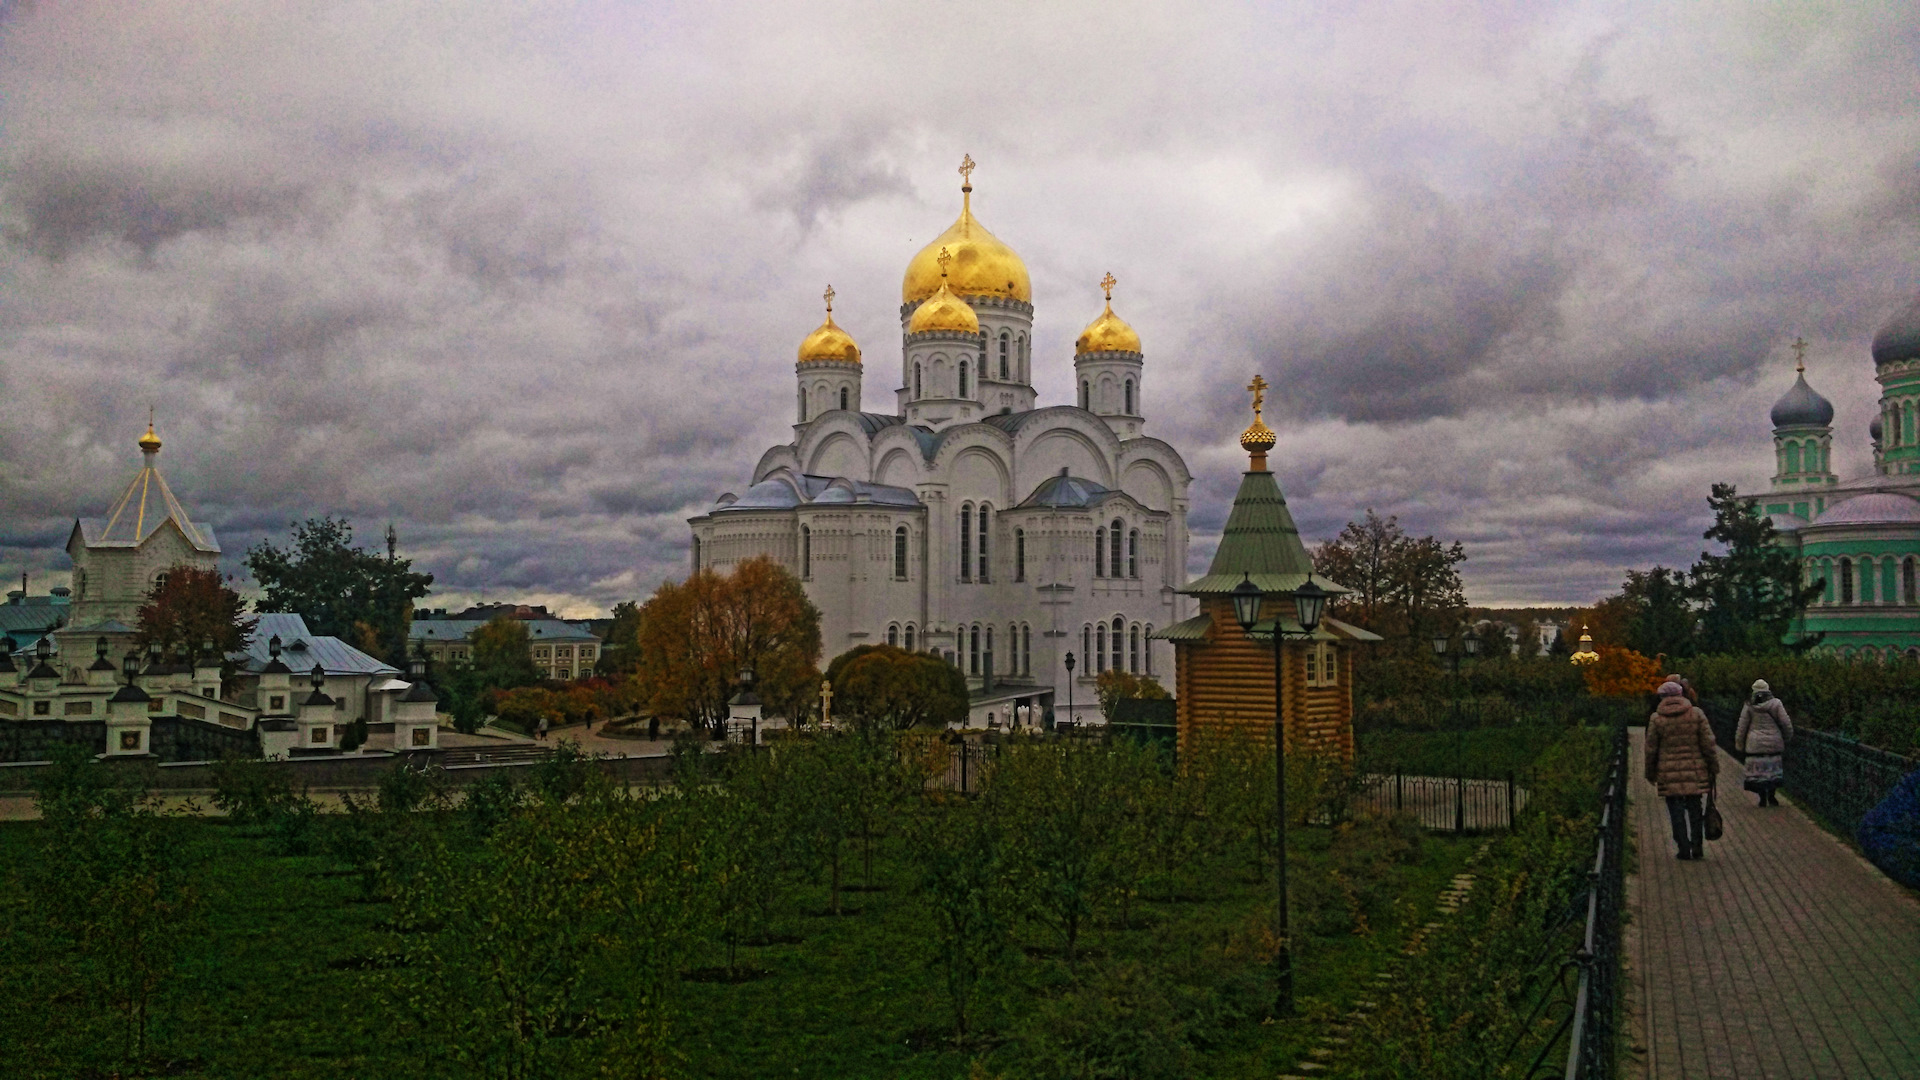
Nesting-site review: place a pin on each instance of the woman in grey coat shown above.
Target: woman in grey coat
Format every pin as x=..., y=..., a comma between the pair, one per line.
x=1763, y=734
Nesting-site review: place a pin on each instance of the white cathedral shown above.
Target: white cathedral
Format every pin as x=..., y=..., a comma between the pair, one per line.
x=969, y=520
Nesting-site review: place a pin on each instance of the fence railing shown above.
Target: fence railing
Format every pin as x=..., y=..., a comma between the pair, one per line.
x=1442, y=803
x=1834, y=776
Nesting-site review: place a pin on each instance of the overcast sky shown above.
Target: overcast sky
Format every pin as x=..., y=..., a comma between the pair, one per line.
x=528, y=281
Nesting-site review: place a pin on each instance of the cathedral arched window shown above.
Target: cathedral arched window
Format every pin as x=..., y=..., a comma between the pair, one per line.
x=916, y=380
x=1133, y=648
x=981, y=541
x=1793, y=457
x=1086, y=394
x=909, y=637
x=1114, y=534
x=963, y=378
x=803, y=406
x=1100, y=647
x=696, y=554
x=900, y=553
x=806, y=552
x=1026, y=649
x=1146, y=640
x=843, y=399
x=1846, y=581
x=893, y=634
x=1906, y=424
x=973, y=652
x=1129, y=409
x=1025, y=373
x=1086, y=648
x=966, y=541
x=1100, y=552
x=1889, y=592
x=1019, y=554
x=1133, y=553
x=986, y=664
x=1909, y=589
x=1119, y=628
x=1006, y=341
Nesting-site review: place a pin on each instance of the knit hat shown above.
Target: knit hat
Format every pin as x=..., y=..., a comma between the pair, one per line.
x=1761, y=684
x=1670, y=689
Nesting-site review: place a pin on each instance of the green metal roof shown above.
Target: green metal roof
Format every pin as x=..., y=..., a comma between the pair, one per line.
x=1194, y=629
x=1260, y=541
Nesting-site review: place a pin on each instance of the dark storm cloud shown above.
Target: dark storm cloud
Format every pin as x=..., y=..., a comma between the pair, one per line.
x=526, y=280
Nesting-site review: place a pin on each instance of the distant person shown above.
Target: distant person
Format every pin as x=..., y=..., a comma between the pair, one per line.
x=1763, y=734
x=540, y=730
x=1682, y=761
x=653, y=728
x=1685, y=687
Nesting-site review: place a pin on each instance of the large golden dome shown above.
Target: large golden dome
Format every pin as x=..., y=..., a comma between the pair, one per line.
x=829, y=342
x=982, y=265
x=1109, y=332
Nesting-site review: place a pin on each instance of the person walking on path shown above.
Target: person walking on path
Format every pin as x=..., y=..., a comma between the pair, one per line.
x=1681, y=762
x=1762, y=736
x=540, y=730
x=1685, y=687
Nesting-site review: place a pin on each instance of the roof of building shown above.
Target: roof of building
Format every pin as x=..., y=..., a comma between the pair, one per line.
x=1802, y=406
x=1878, y=508
x=462, y=629
x=1785, y=522
x=300, y=649
x=1065, y=489
x=420, y=691
x=783, y=490
x=1899, y=337
x=32, y=618
x=1260, y=542
x=146, y=505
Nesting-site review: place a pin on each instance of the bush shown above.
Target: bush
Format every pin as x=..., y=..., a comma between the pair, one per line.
x=251, y=791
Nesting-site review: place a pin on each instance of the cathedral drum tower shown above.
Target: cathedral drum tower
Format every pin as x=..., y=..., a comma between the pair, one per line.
x=971, y=521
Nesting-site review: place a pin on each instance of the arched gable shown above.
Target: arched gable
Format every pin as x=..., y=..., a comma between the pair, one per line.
x=977, y=471
x=838, y=454
x=776, y=457
x=899, y=467
x=1147, y=481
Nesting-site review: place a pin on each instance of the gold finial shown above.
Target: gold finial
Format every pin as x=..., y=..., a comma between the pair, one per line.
x=1108, y=283
x=828, y=297
x=1800, y=355
x=149, y=443
x=966, y=172
x=1258, y=438
x=943, y=259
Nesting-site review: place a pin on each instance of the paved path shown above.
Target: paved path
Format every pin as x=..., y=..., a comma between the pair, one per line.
x=1781, y=954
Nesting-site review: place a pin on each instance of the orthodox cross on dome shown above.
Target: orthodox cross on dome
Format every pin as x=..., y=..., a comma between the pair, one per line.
x=1259, y=388
x=943, y=259
x=1108, y=283
x=1800, y=355
x=966, y=172
x=828, y=297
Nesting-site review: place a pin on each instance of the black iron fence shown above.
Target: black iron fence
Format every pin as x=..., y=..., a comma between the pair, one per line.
x=1442, y=803
x=1837, y=778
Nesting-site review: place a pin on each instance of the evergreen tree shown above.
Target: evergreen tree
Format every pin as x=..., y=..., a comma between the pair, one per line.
x=1750, y=596
x=1660, y=616
x=341, y=590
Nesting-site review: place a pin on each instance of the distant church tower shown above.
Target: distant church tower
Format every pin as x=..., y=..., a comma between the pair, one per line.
x=1803, y=444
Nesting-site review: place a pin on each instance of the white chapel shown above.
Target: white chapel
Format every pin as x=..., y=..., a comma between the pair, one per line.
x=968, y=519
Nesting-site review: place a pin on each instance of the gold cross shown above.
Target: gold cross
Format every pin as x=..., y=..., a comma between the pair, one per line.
x=1259, y=388
x=943, y=259
x=828, y=297
x=1108, y=283
x=1800, y=354
x=966, y=169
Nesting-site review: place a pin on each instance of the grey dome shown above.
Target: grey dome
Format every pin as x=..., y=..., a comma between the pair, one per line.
x=1876, y=508
x=1800, y=406
x=1899, y=338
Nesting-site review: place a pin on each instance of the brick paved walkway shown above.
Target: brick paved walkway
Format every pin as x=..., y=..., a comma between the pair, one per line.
x=1781, y=954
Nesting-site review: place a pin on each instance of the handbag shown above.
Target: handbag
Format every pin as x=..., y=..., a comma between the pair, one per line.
x=1713, y=826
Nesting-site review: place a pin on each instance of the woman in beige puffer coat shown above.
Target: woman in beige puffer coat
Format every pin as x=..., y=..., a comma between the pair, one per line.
x=1762, y=736
x=1681, y=761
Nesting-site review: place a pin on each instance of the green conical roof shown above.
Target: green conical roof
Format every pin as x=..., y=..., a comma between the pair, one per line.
x=1260, y=541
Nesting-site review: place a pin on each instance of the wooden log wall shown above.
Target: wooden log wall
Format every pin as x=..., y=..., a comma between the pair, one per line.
x=1226, y=682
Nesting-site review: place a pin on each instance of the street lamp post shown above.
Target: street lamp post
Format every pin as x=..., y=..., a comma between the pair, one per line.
x=1308, y=600
x=1470, y=646
x=746, y=687
x=1069, y=689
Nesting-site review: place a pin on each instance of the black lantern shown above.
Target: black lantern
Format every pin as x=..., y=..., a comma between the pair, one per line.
x=1309, y=600
x=131, y=665
x=273, y=646
x=100, y=648
x=746, y=677
x=206, y=649
x=1246, y=602
x=1472, y=645
x=1069, y=664
x=1439, y=645
x=43, y=650
x=318, y=676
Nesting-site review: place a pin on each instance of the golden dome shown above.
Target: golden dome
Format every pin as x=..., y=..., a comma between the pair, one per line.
x=1109, y=332
x=943, y=310
x=982, y=265
x=149, y=443
x=829, y=342
x=1258, y=438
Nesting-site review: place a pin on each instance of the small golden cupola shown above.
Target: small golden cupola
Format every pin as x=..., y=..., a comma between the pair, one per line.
x=1109, y=332
x=943, y=310
x=829, y=343
x=981, y=264
x=1258, y=439
x=149, y=443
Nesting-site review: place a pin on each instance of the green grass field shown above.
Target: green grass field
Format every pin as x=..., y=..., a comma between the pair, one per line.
x=272, y=978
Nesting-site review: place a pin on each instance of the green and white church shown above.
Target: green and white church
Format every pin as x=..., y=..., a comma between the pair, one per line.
x=1860, y=536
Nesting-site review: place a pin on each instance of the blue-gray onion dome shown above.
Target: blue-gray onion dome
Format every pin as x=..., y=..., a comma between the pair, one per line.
x=1899, y=338
x=1801, y=406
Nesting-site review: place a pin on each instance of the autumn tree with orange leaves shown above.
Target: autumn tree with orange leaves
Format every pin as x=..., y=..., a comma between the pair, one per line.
x=696, y=636
x=190, y=607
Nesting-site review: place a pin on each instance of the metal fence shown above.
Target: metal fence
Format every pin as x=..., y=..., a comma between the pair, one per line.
x=1442, y=803
x=1838, y=778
